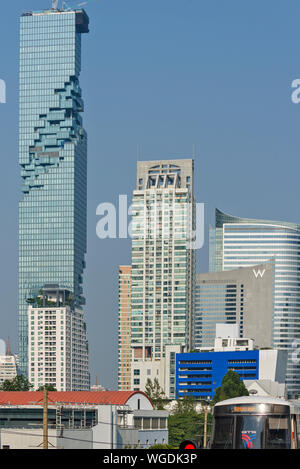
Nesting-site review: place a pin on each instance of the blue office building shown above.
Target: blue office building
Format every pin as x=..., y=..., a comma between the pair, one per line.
x=200, y=374
x=52, y=158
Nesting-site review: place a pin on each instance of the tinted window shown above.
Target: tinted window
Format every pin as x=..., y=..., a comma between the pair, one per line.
x=249, y=431
x=223, y=433
x=278, y=435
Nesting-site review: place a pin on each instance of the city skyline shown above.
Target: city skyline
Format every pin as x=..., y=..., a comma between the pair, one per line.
x=256, y=196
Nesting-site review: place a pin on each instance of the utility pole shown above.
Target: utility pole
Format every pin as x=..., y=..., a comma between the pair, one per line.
x=45, y=419
x=206, y=406
x=205, y=427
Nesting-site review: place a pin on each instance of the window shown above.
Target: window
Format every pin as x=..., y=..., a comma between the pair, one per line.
x=155, y=422
x=163, y=423
x=146, y=423
x=223, y=437
x=138, y=422
x=278, y=432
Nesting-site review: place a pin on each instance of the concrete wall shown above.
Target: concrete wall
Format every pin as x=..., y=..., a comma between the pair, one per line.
x=105, y=432
x=257, y=301
x=76, y=439
x=148, y=369
x=32, y=438
x=272, y=365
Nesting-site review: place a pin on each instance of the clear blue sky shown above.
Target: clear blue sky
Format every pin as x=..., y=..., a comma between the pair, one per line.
x=166, y=74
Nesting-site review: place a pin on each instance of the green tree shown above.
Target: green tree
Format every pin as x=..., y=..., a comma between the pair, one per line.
x=49, y=387
x=186, y=405
x=185, y=423
x=19, y=383
x=156, y=394
x=231, y=387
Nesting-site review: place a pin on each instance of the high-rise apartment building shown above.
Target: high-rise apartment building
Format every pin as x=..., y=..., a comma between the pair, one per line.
x=243, y=296
x=57, y=345
x=124, y=329
x=53, y=159
x=163, y=261
x=8, y=365
x=242, y=242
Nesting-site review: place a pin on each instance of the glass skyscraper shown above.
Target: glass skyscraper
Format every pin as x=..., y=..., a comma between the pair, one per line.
x=242, y=242
x=53, y=159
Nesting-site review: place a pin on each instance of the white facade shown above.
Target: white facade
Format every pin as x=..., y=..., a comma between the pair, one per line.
x=8, y=367
x=228, y=340
x=272, y=365
x=144, y=370
x=227, y=330
x=266, y=388
x=57, y=348
x=20, y=438
x=162, y=258
x=163, y=370
x=163, y=263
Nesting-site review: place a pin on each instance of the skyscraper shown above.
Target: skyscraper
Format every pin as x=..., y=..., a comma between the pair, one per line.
x=58, y=352
x=124, y=329
x=53, y=159
x=242, y=242
x=241, y=296
x=162, y=261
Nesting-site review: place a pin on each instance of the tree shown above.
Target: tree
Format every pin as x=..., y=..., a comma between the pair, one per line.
x=231, y=387
x=48, y=387
x=187, y=424
x=186, y=405
x=19, y=383
x=155, y=393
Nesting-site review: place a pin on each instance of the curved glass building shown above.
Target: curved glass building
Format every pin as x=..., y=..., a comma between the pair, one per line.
x=243, y=242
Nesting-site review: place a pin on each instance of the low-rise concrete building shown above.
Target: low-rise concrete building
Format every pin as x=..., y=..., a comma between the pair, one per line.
x=86, y=420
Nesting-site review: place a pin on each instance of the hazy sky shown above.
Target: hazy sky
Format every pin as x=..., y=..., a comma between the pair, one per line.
x=164, y=75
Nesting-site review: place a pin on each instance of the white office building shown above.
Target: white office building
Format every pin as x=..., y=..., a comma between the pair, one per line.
x=57, y=345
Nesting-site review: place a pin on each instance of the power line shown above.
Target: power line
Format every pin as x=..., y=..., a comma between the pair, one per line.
x=70, y=438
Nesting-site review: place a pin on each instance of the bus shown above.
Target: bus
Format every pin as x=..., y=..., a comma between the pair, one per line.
x=256, y=422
